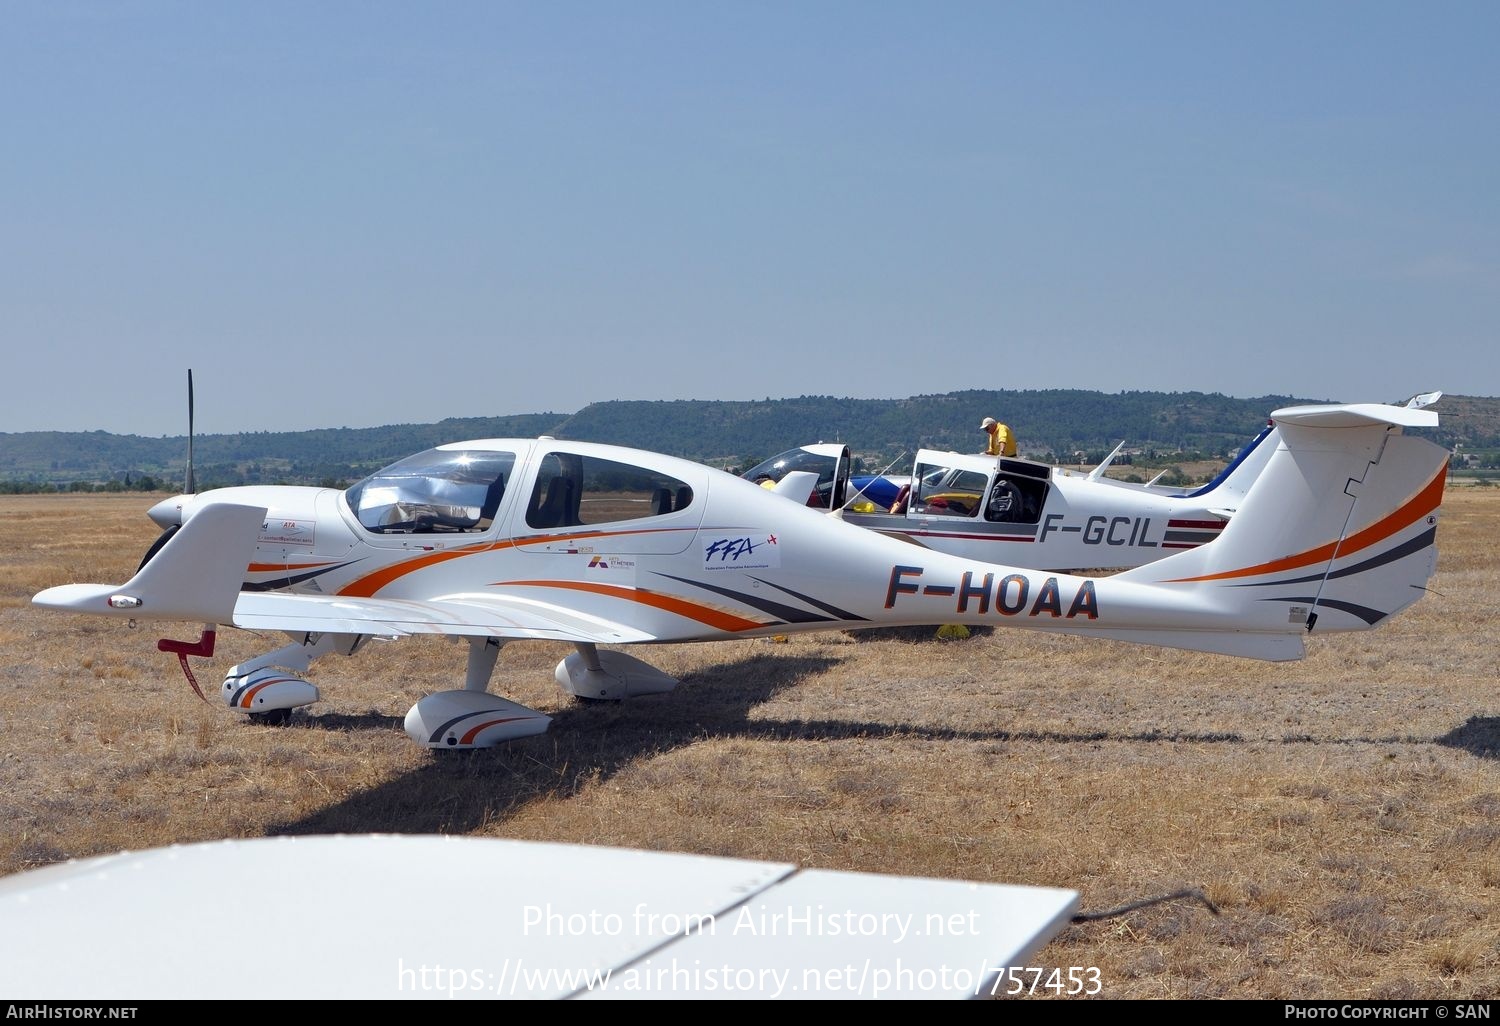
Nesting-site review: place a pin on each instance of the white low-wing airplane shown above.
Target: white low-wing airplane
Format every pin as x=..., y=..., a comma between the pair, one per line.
x=596, y=545
x=1013, y=510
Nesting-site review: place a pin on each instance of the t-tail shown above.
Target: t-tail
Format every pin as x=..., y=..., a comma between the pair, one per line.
x=1337, y=533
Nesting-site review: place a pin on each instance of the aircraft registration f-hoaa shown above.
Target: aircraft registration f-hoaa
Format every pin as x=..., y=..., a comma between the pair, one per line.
x=501, y=540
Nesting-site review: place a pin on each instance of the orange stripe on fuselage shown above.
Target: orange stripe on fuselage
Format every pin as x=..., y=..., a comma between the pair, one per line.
x=368, y=585
x=716, y=618
x=1421, y=504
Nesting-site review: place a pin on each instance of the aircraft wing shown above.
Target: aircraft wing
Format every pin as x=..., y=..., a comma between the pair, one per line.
x=485, y=918
x=478, y=615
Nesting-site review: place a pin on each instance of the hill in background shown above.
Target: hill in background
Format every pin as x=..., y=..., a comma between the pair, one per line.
x=1053, y=425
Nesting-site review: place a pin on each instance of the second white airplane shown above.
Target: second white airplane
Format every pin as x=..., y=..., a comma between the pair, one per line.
x=1029, y=513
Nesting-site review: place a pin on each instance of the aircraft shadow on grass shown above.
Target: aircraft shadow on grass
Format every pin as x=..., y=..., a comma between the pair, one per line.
x=460, y=791
x=1479, y=736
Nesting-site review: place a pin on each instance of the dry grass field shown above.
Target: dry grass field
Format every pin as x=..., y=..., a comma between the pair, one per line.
x=1342, y=812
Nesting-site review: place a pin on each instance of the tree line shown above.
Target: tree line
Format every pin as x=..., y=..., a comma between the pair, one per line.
x=1059, y=425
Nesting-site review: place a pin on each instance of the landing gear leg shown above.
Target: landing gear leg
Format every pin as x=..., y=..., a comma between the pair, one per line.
x=609, y=676
x=588, y=662
x=473, y=718
x=268, y=688
x=483, y=652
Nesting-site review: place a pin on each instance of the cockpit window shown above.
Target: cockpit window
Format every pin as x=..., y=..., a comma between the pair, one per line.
x=826, y=492
x=777, y=467
x=573, y=490
x=436, y=490
x=948, y=491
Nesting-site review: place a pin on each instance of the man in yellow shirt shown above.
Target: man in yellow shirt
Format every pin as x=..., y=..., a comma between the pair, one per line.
x=1002, y=442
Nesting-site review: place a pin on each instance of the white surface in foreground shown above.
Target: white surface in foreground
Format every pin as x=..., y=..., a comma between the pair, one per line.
x=400, y=916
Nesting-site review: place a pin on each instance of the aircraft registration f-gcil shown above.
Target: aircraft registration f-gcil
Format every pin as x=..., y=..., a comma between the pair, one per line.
x=604, y=547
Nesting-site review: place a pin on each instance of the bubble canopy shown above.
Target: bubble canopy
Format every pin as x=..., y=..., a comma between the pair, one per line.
x=435, y=490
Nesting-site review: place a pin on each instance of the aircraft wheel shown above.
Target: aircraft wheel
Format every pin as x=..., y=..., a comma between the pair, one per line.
x=274, y=718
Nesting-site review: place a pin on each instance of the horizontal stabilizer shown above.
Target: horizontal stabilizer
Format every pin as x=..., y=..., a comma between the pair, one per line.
x=196, y=575
x=1356, y=415
x=797, y=484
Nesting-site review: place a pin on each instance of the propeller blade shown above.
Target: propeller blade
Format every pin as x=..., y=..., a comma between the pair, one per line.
x=191, y=488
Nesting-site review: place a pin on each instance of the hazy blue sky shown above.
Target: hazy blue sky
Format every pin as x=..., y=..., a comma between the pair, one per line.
x=352, y=214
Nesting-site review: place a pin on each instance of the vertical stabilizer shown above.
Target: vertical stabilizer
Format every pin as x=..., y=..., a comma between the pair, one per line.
x=1338, y=531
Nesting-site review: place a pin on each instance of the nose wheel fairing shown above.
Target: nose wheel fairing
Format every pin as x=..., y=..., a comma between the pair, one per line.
x=268, y=694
